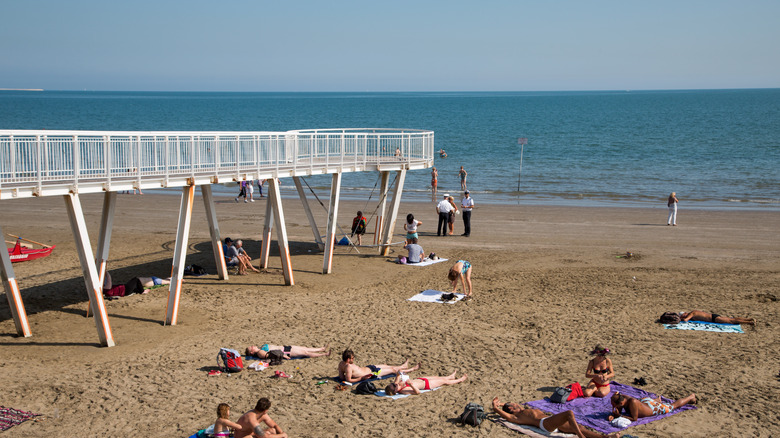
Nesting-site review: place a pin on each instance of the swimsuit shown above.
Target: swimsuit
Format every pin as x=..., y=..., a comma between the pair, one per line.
x=427, y=386
x=156, y=281
x=265, y=348
x=374, y=369
x=606, y=385
x=657, y=407
x=224, y=433
x=714, y=315
x=541, y=426
x=287, y=348
x=466, y=266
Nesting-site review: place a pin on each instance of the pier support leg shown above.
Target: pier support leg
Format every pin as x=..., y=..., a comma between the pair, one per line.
x=275, y=198
x=307, y=209
x=216, y=239
x=12, y=293
x=333, y=213
x=382, y=207
x=268, y=226
x=94, y=287
x=387, y=233
x=104, y=238
x=180, y=254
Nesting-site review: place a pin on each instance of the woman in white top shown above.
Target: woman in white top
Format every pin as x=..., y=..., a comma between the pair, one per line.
x=672, y=204
x=411, y=228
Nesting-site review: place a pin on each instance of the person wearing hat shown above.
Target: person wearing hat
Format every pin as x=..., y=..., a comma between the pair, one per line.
x=443, y=208
x=467, y=204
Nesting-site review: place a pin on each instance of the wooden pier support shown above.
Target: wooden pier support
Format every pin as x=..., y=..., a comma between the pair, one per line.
x=333, y=213
x=387, y=233
x=13, y=295
x=180, y=253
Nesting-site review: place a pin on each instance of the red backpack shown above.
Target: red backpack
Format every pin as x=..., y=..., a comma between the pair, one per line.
x=231, y=360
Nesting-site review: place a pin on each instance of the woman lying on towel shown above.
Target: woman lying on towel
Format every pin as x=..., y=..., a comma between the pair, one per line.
x=289, y=351
x=405, y=385
x=599, y=372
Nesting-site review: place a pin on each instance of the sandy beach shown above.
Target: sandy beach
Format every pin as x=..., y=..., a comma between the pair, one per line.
x=548, y=286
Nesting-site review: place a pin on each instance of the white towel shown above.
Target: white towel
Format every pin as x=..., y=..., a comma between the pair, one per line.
x=434, y=296
x=621, y=422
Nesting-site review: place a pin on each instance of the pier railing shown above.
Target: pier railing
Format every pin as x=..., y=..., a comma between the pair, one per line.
x=43, y=163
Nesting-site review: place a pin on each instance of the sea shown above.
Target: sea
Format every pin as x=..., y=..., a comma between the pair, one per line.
x=717, y=149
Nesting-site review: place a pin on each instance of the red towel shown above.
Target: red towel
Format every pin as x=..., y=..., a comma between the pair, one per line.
x=576, y=391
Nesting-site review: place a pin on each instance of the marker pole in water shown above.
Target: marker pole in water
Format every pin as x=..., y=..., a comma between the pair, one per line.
x=522, y=141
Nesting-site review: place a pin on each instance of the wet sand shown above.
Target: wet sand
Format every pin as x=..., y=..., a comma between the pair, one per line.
x=548, y=286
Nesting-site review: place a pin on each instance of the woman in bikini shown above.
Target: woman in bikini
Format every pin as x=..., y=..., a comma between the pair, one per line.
x=461, y=270
x=223, y=425
x=289, y=351
x=599, y=372
x=434, y=182
x=405, y=385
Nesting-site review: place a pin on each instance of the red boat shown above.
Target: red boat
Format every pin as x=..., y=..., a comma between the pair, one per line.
x=21, y=253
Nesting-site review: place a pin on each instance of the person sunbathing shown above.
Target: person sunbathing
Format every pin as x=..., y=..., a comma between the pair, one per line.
x=288, y=350
x=405, y=385
x=142, y=285
x=563, y=422
x=699, y=315
x=599, y=372
x=352, y=373
x=646, y=407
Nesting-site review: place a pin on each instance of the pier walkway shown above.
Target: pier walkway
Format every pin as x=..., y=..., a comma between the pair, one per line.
x=70, y=163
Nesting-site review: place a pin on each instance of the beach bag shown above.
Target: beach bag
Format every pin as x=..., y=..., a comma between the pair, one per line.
x=448, y=296
x=670, y=318
x=560, y=395
x=473, y=414
x=275, y=357
x=343, y=241
x=365, y=388
x=231, y=361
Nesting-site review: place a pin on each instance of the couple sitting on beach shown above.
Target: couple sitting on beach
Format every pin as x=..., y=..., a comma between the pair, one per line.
x=249, y=425
x=235, y=255
x=403, y=384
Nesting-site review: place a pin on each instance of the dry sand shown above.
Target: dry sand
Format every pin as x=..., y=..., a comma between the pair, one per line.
x=548, y=287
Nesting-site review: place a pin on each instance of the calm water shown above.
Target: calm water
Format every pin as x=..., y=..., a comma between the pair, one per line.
x=716, y=149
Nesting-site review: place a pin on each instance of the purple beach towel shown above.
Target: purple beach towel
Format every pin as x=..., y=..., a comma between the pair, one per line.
x=593, y=411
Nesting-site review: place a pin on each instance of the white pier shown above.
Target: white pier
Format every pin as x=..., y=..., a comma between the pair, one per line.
x=70, y=163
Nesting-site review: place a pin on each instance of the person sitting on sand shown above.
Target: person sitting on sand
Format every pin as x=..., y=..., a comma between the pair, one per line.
x=646, y=407
x=290, y=351
x=223, y=425
x=251, y=423
x=233, y=257
x=461, y=270
x=349, y=372
x=563, y=422
x=415, y=252
x=243, y=256
x=699, y=315
x=599, y=372
x=405, y=385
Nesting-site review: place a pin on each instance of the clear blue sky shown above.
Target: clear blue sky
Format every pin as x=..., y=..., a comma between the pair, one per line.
x=401, y=45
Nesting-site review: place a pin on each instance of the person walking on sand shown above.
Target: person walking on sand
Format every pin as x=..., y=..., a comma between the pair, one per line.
x=463, y=174
x=349, y=372
x=671, y=203
x=646, y=407
x=359, y=224
x=467, y=204
x=443, y=209
x=461, y=270
x=564, y=421
x=252, y=423
x=407, y=386
x=434, y=182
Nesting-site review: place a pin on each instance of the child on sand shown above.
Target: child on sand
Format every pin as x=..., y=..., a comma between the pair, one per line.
x=359, y=227
x=461, y=270
x=223, y=425
x=411, y=228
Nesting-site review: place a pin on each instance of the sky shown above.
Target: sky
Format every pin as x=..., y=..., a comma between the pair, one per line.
x=401, y=45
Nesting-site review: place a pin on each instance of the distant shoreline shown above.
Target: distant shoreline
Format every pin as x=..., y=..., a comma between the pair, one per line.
x=21, y=89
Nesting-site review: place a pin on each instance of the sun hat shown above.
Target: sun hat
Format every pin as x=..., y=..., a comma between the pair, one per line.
x=446, y=195
x=466, y=191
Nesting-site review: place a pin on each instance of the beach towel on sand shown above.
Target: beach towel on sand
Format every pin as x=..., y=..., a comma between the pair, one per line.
x=593, y=411
x=381, y=393
x=10, y=417
x=343, y=382
x=426, y=262
x=530, y=430
x=706, y=327
x=434, y=296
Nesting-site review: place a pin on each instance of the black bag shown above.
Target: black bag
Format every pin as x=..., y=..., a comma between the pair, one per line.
x=365, y=388
x=669, y=318
x=473, y=415
x=560, y=395
x=448, y=296
x=275, y=357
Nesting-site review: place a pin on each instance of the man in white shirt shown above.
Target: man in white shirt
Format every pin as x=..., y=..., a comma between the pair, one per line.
x=467, y=204
x=443, y=209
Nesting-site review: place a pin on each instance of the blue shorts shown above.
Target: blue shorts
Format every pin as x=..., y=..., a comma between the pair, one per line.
x=374, y=368
x=412, y=236
x=156, y=281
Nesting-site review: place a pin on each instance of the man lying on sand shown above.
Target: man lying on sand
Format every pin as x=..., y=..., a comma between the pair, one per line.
x=349, y=372
x=251, y=423
x=699, y=315
x=404, y=385
x=288, y=350
x=647, y=407
x=563, y=422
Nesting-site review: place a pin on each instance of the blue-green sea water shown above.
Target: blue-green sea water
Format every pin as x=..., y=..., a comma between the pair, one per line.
x=715, y=148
